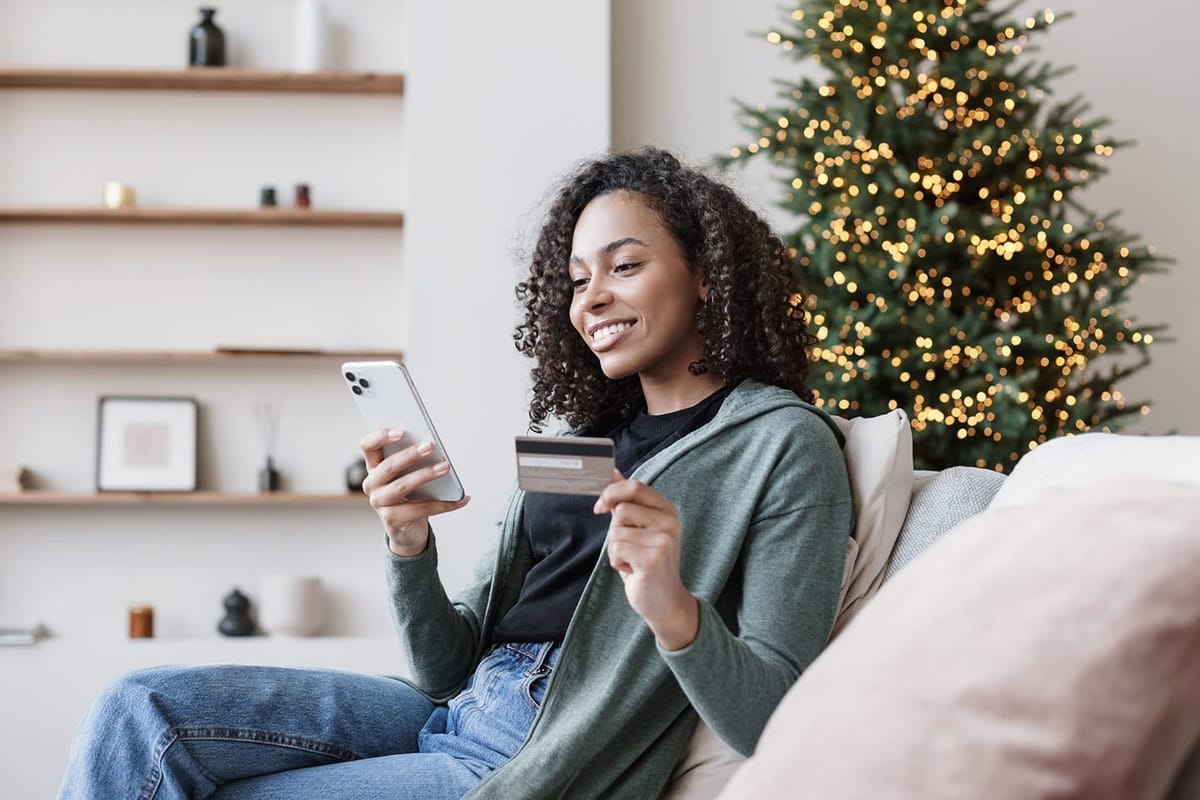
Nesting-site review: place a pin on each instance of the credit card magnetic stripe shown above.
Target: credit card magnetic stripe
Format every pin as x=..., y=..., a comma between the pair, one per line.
x=572, y=447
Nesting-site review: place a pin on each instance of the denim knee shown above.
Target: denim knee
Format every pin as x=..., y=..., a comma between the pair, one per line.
x=132, y=694
x=140, y=680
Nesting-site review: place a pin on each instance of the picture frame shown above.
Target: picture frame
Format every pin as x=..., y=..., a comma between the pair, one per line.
x=146, y=444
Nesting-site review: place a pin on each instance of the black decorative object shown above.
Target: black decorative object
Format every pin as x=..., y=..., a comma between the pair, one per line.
x=266, y=197
x=268, y=477
x=356, y=473
x=267, y=416
x=206, y=44
x=236, y=621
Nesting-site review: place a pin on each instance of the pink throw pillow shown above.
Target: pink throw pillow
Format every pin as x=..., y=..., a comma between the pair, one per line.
x=1038, y=651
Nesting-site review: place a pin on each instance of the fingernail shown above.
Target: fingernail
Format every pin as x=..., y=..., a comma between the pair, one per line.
x=395, y=434
x=425, y=448
x=442, y=468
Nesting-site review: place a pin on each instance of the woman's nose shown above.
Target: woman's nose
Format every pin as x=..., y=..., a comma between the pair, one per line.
x=596, y=295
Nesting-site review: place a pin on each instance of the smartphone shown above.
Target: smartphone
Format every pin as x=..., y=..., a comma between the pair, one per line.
x=387, y=397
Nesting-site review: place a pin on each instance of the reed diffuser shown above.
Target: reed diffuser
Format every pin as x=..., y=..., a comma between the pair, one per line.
x=266, y=416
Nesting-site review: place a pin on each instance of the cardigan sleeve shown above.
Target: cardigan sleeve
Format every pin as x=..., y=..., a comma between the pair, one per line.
x=790, y=571
x=441, y=638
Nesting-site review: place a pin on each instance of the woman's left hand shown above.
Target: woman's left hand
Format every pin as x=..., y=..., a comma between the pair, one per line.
x=643, y=547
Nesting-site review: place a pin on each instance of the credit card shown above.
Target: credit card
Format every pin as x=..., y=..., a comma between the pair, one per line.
x=564, y=464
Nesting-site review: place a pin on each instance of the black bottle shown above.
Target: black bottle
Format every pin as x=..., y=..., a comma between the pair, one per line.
x=206, y=44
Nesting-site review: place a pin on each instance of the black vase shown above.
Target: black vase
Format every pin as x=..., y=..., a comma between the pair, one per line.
x=356, y=473
x=206, y=44
x=236, y=621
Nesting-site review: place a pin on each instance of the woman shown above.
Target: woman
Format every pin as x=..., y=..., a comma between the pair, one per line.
x=660, y=312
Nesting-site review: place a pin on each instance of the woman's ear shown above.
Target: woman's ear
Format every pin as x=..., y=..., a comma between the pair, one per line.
x=703, y=292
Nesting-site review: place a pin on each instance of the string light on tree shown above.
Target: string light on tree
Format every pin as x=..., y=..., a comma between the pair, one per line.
x=952, y=268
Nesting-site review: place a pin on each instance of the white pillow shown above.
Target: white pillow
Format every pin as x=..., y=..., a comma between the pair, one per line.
x=879, y=459
x=1088, y=458
x=878, y=455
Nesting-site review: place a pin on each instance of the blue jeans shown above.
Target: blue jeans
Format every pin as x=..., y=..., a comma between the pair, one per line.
x=270, y=733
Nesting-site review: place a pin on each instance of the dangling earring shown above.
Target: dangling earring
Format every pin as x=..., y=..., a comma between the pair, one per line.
x=699, y=367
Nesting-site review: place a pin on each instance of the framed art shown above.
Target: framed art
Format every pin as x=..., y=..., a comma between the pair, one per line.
x=146, y=444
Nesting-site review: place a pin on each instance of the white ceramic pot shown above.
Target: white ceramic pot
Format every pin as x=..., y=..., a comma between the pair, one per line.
x=290, y=605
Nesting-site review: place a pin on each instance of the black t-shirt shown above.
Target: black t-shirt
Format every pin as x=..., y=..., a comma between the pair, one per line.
x=566, y=537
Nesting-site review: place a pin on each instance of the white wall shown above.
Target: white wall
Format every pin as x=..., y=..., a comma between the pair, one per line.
x=492, y=130
x=677, y=64
x=467, y=153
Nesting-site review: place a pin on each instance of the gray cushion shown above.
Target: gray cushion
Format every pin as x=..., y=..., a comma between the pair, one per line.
x=940, y=501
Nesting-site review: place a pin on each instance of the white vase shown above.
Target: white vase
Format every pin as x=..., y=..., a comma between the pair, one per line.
x=290, y=605
x=311, y=39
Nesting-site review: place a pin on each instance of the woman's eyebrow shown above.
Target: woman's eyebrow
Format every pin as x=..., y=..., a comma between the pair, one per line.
x=612, y=247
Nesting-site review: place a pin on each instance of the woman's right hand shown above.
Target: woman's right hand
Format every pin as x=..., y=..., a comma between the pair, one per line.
x=389, y=482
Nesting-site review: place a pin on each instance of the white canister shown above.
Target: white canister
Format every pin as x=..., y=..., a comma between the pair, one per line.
x=291, y=605
x=310, y=45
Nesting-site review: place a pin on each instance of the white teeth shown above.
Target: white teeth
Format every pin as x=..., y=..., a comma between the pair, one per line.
x=601, y=334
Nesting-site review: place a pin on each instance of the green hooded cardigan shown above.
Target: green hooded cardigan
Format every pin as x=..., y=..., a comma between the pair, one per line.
x=764, y=501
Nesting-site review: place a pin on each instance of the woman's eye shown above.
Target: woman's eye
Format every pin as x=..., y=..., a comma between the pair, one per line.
x=626, y=266
x=579, y=283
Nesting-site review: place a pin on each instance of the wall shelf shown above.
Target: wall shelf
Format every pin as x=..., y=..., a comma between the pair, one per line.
x=206, y=216
x=36, y=498
x=210, y=79
x=218, y=355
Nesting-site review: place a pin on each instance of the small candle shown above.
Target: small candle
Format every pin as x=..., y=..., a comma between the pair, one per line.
x=141, y=622
x=118, y=195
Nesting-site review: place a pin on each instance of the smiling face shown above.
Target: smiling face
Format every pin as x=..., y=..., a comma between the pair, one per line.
x=635, y=295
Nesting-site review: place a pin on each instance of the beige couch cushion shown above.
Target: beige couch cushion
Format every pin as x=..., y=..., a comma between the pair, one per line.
x=1087, y=458
x=705, y=768
x=1037, y=651
x=878, y=453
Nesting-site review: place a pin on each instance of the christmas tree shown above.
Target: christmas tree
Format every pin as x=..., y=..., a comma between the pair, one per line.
x=951, y=266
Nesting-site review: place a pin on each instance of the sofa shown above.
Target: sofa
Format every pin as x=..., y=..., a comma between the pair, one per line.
x=1032, y=636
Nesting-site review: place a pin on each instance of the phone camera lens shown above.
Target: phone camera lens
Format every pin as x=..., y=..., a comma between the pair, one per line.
x=350, y=377
x=363, y=383
x=356, y=390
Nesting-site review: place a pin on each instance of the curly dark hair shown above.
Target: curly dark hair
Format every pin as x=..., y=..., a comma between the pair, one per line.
x=754, y=323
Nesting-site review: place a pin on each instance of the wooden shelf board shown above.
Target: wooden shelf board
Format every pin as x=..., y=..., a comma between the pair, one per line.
x=49, y=498
x=194, y=355
x=207, y=216
x=205, y=79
